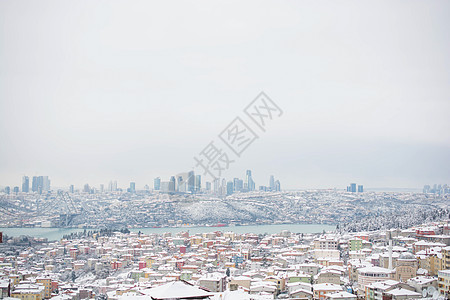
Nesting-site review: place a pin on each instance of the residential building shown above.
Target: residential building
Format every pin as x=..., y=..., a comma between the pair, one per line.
x=340, y=296
x=29, y=291
x=214, y=282
x=368, y=275
x=444, y=282
x=322, y=289
x=355, y=244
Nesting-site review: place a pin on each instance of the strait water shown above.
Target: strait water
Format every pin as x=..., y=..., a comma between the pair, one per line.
x=57, y=233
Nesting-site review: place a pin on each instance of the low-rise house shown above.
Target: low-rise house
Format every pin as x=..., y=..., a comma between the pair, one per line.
x=177, y=290
x=298, y=276
x=280, y=282
x=321, y=289
x=301, y=294
x=29, y=292
x=214, y=282
x=328, y=276
x=421, y=283
x=340, y=296
x=242, y=281
x=259, y=287
x=5, y=288
x=402, y=294
x=378, y=290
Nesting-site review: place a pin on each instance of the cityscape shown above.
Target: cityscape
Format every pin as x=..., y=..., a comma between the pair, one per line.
x=224, y=150
x=222, y=240
x=182, y=183
x=187, y=183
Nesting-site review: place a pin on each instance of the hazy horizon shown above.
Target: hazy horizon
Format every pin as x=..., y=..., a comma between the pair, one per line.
x=92, y=91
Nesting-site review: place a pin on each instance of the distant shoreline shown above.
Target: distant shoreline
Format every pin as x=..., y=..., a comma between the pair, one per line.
x=58, y=233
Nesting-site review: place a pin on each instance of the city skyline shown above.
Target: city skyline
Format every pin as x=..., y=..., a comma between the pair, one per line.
x=224, y=150
x=183, y=182
x=197, y=185
x=111, y=184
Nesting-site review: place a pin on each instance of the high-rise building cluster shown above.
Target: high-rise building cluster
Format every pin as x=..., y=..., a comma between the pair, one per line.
x=39, y=184
x=112, y=186
x=132, y=188
x=439, y=189
x=274, y=185
x=190, y=183
x=187, y=182
x=353, y=188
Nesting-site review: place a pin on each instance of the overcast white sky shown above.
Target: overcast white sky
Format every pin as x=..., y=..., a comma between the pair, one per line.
x=130, y=90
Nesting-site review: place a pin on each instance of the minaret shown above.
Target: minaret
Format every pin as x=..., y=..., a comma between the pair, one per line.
x=389, y=234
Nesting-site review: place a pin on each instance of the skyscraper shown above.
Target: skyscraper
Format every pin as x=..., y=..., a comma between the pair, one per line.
x=249, y=183
x=157, y=184
x=216, y=185
x=272, y=183
x=25, y=184
x=71, y=189
x=223, y=187
x=238, y=185
x=35, y=184
x=360, y=189
x=181, y=183
x=172, y=184
x=353, y=187
x=277, y=186
x=191, y=182
x=230, y=187
x=198, y=183
x=45, y=183
x=40, y=184
x=132, y=188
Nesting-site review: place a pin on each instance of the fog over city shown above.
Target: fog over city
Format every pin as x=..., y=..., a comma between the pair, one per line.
x=92, y=91
x=224, y=150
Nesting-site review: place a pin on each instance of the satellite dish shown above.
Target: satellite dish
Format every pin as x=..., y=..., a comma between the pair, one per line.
x=431, y=290
x=436, y=295
x=424, y=293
